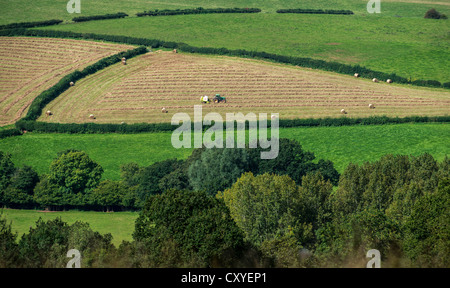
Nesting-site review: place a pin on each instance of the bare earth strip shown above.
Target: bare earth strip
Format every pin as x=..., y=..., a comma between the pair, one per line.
x=138, y=91
x=32, y=65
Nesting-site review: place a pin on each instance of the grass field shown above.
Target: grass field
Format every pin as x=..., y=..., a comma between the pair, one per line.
x=341, y=145
x=414, y=48
x=119, y=224
x=23, y=10
x=135, y=93
x=32, y=65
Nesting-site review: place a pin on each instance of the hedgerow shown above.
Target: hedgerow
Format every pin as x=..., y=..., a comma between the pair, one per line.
x=199, y=10
x=315, y=11
x=100, y=17
x=30, y=24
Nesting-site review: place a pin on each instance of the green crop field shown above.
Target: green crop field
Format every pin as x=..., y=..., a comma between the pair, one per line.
x=119, y=224
x=341, y=145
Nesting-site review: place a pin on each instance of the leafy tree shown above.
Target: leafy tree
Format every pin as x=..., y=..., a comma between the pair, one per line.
x=48, y=194
x=8, y=246
x=292, y=160
x=149, y=178
x=427, y=229
x=75, y=174
x=217, y=169
x=264, y=207
x=46, y=245
x=6, y=171
x=108, y=194
x=20, y=192
x=186, y=228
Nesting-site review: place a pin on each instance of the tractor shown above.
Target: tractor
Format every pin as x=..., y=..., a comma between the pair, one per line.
x=218, y=99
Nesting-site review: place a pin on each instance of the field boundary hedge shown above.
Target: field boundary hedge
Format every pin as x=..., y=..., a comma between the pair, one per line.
x=296, y=61
x=316, y=11
x=100, y=17
x=200, y=10
x=30, y=24
x=10, y=132
x=94, y=128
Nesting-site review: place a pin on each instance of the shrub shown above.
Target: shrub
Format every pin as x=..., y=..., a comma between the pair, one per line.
x=433, y=14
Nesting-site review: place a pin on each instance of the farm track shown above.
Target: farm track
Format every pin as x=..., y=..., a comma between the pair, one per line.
x=32, y=65
x=136, y=92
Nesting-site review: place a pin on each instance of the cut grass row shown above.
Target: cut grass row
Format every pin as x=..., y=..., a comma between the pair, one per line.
x=136, y=92
x=342, y=145
x=31, y=65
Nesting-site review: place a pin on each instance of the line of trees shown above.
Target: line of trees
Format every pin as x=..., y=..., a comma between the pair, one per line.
x=297, y=61
x=100, y=17
x=397, y=205
x=315, y=11
x=74, y=180
x=199, y=10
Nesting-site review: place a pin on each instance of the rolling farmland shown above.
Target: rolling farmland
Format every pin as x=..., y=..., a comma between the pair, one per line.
x=31, y=65
x=137, y=92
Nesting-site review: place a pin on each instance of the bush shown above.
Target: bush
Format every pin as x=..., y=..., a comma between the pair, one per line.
x=433, y=14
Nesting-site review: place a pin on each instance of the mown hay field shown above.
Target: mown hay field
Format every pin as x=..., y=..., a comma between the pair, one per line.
x=137, y=92
x=32, y=65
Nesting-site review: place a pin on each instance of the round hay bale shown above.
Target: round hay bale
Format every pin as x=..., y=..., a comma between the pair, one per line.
x=71, y=83
x=371, y=106
x=48, y=113
x=356, y=75
x=92, y=116
x=175, y=51
x=389, y=81
x=164, y=110
x=343, y=111
x=375, y=80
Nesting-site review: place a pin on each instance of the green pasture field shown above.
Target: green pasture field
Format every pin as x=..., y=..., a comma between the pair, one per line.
x=37, y=10
x=342, y=145
x=119, y=224
x=412, y=47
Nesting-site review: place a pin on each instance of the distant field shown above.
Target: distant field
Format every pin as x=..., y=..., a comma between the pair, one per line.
x=135, y=93
x=341, y=145
x=119, y=224
x=414, y=48
x=23, y=10
x=32, y=65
